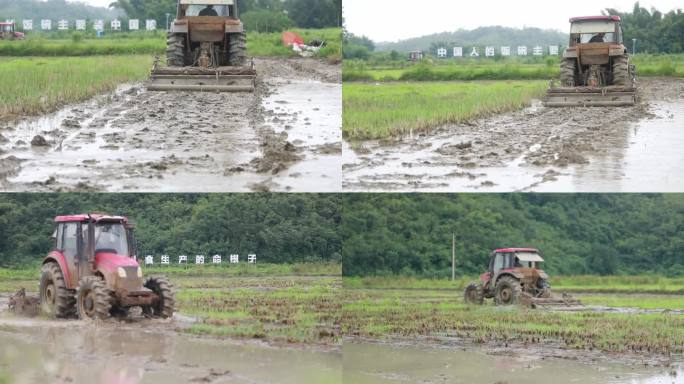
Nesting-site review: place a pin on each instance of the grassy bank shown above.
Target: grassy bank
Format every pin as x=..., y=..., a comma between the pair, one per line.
x=386, y=314
x=395, y=109
x=258, y=44
x=493, y=69
x=37, y=85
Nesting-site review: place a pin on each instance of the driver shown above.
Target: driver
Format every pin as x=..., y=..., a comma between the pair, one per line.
x=598, y=38
x=208, y=11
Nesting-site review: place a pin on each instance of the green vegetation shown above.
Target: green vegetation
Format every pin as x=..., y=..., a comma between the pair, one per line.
x=278, y=310
x=394, y=109
x=385, y=314
x=79, y=47
x=578, y=234
x=37, y=85
x=271, y=44
x=278, y=228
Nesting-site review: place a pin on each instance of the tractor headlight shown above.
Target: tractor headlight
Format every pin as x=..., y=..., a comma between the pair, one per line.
x=139, y=273
x=121, y=272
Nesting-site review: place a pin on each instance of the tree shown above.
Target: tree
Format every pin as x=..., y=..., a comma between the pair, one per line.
x=266, y=21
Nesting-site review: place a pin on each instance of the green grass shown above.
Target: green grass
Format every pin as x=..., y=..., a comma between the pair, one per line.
x=389, y=314
x=671, y=302
x=38, y=85
x=277, y=309
x=395, y=109
x=258, y=44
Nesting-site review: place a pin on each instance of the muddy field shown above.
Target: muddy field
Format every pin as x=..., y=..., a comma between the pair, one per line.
x=634, y=149
x=284, y=137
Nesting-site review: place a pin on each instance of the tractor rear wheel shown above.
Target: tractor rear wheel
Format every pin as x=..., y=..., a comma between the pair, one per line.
x=621, y=77
x=175, y=50
x=508, y=291
x=473, y=294
x=167, y=298
x=237, y=49
x=55, y=299
x=94, y=299
x=568, y=69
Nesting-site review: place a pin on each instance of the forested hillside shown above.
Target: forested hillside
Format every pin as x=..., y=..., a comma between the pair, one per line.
x=484, y=36
x=279, y=228
x=53, y=9
x=578, y=234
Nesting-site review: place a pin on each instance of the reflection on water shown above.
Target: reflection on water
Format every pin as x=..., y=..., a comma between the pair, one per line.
x=379, y=364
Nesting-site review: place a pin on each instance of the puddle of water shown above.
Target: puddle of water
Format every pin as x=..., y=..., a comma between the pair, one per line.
x=649, y=160
x=124, y=355
x=310, y=112
x=378, y=364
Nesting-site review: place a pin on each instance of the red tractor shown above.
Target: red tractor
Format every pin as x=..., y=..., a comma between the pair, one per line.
x=514, y=277
x=93, y=272
x=8, y=32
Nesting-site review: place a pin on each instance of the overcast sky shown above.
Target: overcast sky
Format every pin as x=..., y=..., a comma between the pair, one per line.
x=97, y=3
x=392, y=20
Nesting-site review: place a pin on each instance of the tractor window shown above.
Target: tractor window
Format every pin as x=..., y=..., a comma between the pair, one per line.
x=59, y=232
x=194, y=10
x=498, y=262
x=70, y=241
x=111, y=238
x=587, y=37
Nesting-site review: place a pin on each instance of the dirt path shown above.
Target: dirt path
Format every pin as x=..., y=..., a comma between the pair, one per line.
x=134, y=140
x=537, y=149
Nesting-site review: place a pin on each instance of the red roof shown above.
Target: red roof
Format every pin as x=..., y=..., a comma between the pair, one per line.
x=96, y=216
x=514, y=250
x=592, y=18
x=5, y=24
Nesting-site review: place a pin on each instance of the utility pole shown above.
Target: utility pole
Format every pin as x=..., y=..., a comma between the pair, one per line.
x=453, y=258
x=167, y=21
x=634, y=41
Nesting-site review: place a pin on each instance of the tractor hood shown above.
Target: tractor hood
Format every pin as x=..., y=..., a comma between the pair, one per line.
x=112, y=261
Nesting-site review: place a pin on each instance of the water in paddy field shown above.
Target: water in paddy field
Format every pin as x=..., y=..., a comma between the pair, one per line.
x=77, y=352
x=381, y=364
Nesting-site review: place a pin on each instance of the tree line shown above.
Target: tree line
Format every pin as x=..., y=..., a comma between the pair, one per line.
x=577, y=234
x=279, y=228
x=655, y=31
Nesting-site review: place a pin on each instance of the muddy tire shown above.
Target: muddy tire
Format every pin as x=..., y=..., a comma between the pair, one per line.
x=56, y=300
x=167, y=298
x=237, y=49
x=93, y=299
x=544, y=289
x=621, y=76
x=473, y=294
x=508, y=291
x=175, y=50
x=568, y=69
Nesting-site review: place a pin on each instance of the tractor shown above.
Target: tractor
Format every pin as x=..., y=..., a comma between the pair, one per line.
x=596, y=69
x=8, y=32
x=514, y=277
x=93, y=273
x=206, y=50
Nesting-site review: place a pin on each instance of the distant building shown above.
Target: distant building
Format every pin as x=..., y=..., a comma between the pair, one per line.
x=416, y=55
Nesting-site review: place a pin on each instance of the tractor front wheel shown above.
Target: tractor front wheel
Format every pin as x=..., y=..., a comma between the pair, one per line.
x=94, y=299
x=473, y=294
x=508, y=291
x=167, y=298
x=55, y=299
x=237, y=49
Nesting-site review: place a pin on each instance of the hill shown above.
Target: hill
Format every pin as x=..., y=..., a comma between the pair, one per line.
x=53, y=9
x=495, y=36
x=578, y=234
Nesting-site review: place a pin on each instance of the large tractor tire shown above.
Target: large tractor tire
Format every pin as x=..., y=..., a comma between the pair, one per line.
x=543, y=289
x=473, y=294
x=508, y=291
x=166, y=305
x=93, y=299
x=568, y=70
x=237, y=49
x=175, y=50
x=621, y=76
x=56, y=300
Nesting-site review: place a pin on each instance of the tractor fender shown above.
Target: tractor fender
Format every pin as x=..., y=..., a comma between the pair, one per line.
x=60, y=259
x=570, y=53
x=515, y=275
x=180, y=26
x=234, y=28
x=617, y=51
x=543, y=275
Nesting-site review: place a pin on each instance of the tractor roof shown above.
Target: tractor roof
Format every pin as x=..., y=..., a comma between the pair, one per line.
x=594, y=18
x=95, y=216
x=208, y=2
x=4, y=24
x=516, y=250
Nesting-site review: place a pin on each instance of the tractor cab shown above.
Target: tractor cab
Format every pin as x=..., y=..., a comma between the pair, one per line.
x=207, y=8
x=595, y=29
x=7, y=27
x=8, y=32
x=520, y=264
